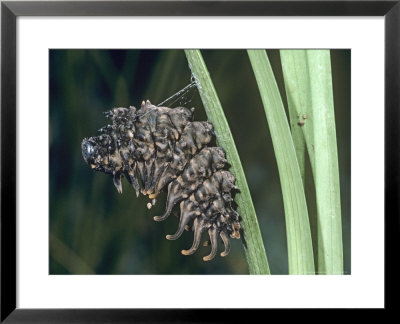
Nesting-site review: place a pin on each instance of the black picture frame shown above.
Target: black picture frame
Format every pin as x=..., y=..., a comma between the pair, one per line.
x=10, y=10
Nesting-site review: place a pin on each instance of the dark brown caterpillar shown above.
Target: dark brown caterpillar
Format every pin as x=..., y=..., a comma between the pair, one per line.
x=164, y=148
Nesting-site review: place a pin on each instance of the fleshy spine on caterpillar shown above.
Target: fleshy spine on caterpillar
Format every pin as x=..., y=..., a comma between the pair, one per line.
x=164, y=148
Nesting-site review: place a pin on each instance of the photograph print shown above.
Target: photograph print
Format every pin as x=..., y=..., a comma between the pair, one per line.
x=202, y=161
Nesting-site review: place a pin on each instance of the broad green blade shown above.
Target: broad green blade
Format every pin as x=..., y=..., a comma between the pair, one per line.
x=301, y=260
x=298, y=94
x=326, y=174
x=308, y=82
x=255, y=251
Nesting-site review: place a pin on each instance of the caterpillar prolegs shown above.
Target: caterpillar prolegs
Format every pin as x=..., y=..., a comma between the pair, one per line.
x=158, y=148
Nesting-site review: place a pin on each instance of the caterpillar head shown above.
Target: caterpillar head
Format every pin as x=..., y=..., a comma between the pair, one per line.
x=101, y=155
x=89, y=151
x=108, y=152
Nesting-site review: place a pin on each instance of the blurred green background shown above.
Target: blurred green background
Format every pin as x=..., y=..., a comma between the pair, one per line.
x=93, y=229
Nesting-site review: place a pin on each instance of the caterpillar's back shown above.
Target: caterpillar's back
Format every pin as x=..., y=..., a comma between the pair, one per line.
x=158, y=148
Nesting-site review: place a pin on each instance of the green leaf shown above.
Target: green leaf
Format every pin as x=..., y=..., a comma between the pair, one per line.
x=254, y=247
x=301, y=260
x=297, y=86
x=308, y=82
x=298, y=94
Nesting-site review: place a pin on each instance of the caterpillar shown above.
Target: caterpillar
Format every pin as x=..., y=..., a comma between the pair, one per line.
x=158, y=148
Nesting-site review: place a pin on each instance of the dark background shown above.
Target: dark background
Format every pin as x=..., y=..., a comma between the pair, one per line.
x=93, y=229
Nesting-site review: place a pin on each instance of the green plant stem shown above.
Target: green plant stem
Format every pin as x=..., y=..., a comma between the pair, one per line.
x=297, y=86
x=254, y=247
x=298, y=94
x=326, y=175
x=300, y=252
x=308, y=82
